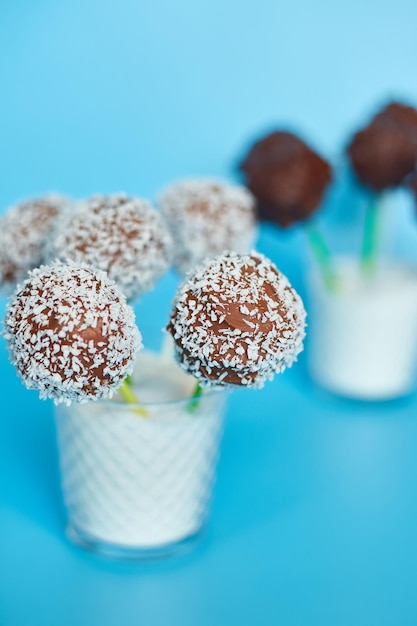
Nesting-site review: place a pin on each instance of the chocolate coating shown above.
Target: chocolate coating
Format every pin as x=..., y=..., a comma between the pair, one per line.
x=381, y=157
x=71, y=335
x=236, y=321
x=400, y=117
x=385, y=152
x=286, y=176
x=24, y=230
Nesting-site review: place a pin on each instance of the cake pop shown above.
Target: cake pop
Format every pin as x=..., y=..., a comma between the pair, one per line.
x=286, y=176
x=383, y=153
x=24, y=229
x=71, y=335
x=381, y=157
x=123, y=236
x=236, y=321
x=207, y=217
x=400, y=117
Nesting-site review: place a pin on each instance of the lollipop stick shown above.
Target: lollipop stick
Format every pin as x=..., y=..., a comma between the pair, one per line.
x=322, y=254
x=128, y=396
x=195, y=398
x=370, y=237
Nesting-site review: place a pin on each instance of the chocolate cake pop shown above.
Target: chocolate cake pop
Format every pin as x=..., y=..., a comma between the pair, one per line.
x=400, y=117
x=381, y=157
x=124, y=236
x=286, y=176
x=207, y=217
x=71, y=335
x=383, y=153
x=24, y=229
x=236, y=321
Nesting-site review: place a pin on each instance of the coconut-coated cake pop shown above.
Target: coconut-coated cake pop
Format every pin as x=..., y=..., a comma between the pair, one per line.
x=24, y=229
x=206, y=218
x=236, y=320
x=124, y=236
x=71, y=335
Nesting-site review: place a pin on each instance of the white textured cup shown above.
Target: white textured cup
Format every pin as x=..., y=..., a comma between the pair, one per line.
x=135, y=487
x=363, y=334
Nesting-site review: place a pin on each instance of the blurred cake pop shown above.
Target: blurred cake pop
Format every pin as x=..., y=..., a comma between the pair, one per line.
x=400, y=117
x=124, y=236
x=286, y=176
x=381, y=157
x=206, y=218
x=24, y=229
x=71, y=335
x=383, y=153
x=236, y=321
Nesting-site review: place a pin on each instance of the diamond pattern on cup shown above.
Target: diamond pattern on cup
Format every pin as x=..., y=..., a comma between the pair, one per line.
x=139, y=482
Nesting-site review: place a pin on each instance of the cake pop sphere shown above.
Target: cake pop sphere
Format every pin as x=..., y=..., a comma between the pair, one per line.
x=71, y=335
x=207, y=217
x=400, y=117
x=286, y=176
x=24, y=229
x=124, y=236
x=236, y=320
x=383, y=153
x=381, y=156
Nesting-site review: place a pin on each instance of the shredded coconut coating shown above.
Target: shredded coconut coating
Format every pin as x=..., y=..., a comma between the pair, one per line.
x=71, y=334
x=236, y=320
x=24, y=229
x=206, y=218
x=123, y=236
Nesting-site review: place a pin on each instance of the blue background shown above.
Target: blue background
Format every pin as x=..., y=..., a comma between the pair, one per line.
x=315, y=511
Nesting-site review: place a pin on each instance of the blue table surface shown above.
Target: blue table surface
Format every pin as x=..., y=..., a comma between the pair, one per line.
x=313, y=519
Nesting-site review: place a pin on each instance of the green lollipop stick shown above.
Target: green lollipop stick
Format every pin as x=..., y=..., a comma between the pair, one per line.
x=370, y=239
x=129, y=396
x=195, y=398
x=323, y=256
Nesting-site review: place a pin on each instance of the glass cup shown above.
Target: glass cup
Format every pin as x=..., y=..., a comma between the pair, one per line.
x=363, y=333
x=140, y=487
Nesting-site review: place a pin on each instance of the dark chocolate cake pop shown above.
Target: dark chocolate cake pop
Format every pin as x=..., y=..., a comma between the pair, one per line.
x=381, y=157
x=24, y=229
x=400, y=117
x=286, y=176
x=124, y=236
x=385, y=152
x=207, y=217
x=71, y=335
x=236, y=321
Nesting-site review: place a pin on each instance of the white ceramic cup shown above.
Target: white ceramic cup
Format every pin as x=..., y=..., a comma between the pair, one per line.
x=140, y=487
x=363, y=334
